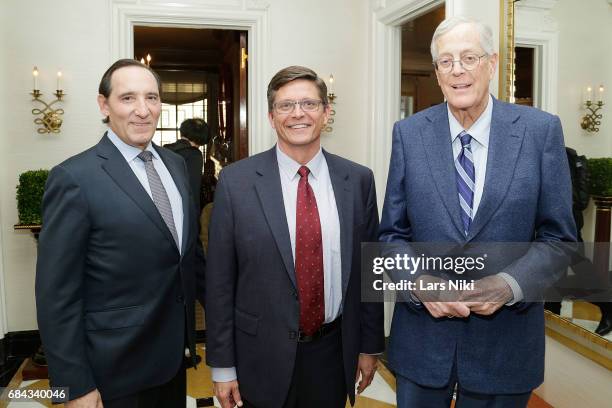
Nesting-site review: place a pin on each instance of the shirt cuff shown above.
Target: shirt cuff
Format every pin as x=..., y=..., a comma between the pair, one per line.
x=517, y=293
x=223, y=374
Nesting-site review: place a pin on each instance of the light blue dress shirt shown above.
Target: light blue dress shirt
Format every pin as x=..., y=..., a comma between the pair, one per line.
x=130, y=153
x=480, y=132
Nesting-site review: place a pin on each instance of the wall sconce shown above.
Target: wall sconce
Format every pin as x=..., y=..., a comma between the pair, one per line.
x=331, y=96
x=590, y=121
x=50, y=119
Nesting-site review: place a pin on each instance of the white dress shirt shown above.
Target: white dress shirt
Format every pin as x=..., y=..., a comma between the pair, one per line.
x=328, y=214
x=130, y=153
x=480, y=132
x=321, y=185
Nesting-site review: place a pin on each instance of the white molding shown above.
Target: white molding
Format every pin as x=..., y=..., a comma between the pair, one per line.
x=384, y=86
x=545, y=38
x=547, y=45
x=251, y=16
x=385, y=76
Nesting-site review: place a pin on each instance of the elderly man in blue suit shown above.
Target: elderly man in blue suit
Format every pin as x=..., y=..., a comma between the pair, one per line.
x=474, y=170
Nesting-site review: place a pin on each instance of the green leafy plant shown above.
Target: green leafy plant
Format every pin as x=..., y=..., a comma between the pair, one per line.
x=29, y=196
x=600, y=171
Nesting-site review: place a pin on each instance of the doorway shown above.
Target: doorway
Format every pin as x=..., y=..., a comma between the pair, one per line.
x=419, y=86
x=204, y=75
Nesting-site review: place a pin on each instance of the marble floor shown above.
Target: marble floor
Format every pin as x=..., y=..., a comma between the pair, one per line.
x=380, y=394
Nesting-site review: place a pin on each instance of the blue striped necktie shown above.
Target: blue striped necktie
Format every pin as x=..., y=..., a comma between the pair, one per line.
x=464, y=169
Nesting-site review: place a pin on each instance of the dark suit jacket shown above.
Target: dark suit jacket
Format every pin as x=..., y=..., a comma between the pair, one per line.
x=527, y=197
x=195, y=164
x=252, y=303
x=114, y=296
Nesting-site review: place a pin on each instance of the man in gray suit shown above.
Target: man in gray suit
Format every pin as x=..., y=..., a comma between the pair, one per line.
x=476, y=170
x=285, y=325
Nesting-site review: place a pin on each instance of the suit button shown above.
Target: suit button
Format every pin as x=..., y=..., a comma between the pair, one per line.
x=180, y=298
x=294, y=294
x=292, y=335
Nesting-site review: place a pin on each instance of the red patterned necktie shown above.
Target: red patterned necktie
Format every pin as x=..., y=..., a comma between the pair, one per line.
x=308, y=257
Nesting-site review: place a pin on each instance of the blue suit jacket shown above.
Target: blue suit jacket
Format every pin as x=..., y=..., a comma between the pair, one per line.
x=527, y=197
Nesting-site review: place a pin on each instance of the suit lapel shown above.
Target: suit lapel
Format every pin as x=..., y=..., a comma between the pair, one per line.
x=505, y=140
x=174, y=168
x=121, y=173
x=436, y=140
x=339, y=176
x=270, y=194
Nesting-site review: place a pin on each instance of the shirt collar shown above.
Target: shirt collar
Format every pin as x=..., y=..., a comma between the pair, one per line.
x=479, y=130
x=129, y=152
x=289, y=167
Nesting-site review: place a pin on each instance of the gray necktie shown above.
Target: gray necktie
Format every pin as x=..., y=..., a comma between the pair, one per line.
x=160, y=197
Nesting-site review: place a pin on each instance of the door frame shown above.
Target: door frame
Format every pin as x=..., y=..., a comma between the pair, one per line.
x=386, y=19
x=250, y=16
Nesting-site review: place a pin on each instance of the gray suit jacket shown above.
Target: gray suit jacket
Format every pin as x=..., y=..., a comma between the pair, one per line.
x=252, y=306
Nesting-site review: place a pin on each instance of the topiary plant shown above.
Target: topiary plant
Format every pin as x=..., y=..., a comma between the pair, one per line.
x=600, y=171
x=29, y=196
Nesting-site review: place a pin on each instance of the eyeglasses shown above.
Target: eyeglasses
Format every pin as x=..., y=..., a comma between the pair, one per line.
x=307, y=105
x=468, y=62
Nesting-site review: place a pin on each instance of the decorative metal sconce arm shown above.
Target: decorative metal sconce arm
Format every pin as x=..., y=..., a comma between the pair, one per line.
x=330, y=121
x=50, y=120
x=591, y=120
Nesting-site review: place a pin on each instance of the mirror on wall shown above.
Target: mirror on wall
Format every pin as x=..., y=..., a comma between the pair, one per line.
x=550, y=52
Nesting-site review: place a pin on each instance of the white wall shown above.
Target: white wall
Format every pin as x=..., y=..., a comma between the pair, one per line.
x=74, y=35
x=584, y=59
x=571, y=380
x=71, y=35
x=3, y=118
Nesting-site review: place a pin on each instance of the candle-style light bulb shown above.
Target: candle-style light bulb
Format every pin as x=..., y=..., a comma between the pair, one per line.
x=331, y=84
x=59, y=80
x=142, y=61
x=589, y=94
x=601, y=91
x=35, y=75
x=148, y=59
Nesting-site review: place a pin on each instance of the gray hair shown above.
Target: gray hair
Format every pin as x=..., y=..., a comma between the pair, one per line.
x=484, y=31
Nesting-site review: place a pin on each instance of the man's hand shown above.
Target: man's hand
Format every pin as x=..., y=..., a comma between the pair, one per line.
x=90, y=400
x=439, y=301
x=227, y=393
x=367, y=368
x=489, y=294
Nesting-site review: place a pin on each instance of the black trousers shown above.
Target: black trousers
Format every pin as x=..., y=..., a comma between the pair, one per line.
x=172, y=394
x=318, y=375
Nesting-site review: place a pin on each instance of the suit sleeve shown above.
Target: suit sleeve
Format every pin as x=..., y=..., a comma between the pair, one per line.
x=60, y=267
x=394, y=225
x=372, y=314
x=548, y=258
x=221, y=281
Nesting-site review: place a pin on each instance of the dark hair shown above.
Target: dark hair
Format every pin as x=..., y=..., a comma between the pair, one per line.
x=195, y=130
x=105, y=89
x=286, y=75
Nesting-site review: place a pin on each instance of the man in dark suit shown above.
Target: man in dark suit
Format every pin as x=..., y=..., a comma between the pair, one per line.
x=119, y=259
x=194, y=134
x=475, y=170
x=285, y=324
